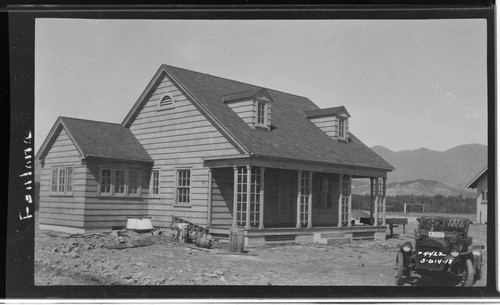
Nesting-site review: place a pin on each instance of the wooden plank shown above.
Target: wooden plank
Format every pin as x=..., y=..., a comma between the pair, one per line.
x=61, y=216
x=61, y=222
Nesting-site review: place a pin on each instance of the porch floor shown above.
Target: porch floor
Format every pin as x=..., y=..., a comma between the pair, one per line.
x=324, y=235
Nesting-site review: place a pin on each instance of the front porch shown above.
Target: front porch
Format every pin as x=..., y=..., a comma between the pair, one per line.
x=275, y=201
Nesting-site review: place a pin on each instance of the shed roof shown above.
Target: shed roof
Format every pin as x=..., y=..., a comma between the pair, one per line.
x=292, y=134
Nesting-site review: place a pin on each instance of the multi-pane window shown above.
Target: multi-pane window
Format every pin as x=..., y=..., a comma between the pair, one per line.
x=119, y=182
x=105, y=181
x=241, y=196
x=305, y=189
x=133, y=182
x=255, y=188
x=62, y=180
x=346, y=193
x=261, y=113
x=155, y=182
x=183, y=185
x=342, y=126
x=324, y=191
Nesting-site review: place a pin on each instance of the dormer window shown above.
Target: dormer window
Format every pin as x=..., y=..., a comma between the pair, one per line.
x=261, y=113
x=332, y=121
x=253, y=107
x=342, y=128
x=166, y=102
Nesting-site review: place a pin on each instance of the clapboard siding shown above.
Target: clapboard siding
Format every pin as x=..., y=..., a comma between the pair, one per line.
x=55, y=209
x=245, y=110
x=105, y=212
x=328, y=125
x=222, y=196
x=178, y=137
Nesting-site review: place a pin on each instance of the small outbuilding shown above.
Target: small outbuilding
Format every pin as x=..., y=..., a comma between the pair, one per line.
x=480, y=183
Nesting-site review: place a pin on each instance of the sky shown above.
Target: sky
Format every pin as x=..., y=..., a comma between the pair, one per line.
x=407, y=84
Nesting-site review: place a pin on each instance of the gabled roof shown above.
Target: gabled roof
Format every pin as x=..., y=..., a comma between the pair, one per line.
x=96, y=139
x=292, y=135
x=326, y=112
x=473, y=183
x=244, y=94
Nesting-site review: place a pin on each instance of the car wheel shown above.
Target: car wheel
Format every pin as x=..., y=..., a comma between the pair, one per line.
x=399, y=269
x=468, y=274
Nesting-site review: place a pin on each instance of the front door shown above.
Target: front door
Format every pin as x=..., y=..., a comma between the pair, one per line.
x=287, y=198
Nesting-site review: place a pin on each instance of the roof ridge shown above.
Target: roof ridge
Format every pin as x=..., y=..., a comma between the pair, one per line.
x=87, y=120
x=236, y=81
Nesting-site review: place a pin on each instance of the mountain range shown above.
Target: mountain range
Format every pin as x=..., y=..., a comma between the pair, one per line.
x=429, y=172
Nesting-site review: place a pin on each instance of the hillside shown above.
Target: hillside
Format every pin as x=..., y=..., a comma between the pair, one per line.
x=454, y=167
x=415, y=187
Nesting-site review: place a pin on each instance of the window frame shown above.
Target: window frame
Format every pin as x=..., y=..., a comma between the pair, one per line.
x=342, y=128
x=151, y=183
x=266, y=113
x=170, y=105
x=178, y=187
x=66, y=184
x=112, y=181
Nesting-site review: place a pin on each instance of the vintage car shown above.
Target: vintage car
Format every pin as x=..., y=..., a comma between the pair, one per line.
x=442, y=249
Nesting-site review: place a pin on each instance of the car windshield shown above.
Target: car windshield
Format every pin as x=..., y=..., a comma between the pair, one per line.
x=444, y=224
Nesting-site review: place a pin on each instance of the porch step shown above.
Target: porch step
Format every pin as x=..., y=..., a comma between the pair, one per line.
x=338, y=241
x=332, y=235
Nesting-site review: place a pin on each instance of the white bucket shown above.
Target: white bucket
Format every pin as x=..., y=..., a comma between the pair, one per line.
x=131, y=223
x=143, y=224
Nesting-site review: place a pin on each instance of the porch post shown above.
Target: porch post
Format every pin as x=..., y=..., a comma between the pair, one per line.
x=340, y=201
x=235, y=195
x=349, y=211
x=384, y=205
x=298, y=198
x=261, y=206
x=309, y=208
x=371, y=199
x=209, y=212
x=249, y=190
x=376, y=202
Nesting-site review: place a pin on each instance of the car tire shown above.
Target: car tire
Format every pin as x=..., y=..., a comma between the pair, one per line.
x=399, y=269
x=468, y=277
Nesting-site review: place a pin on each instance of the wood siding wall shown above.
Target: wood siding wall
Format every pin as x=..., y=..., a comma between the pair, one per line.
x=178, y=138
x=328, y=125
x=222, y=197
x=245, y=109
x=105, y=212
x=65, y=211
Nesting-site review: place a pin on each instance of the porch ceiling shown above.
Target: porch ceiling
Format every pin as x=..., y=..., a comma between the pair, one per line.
x=282, y=163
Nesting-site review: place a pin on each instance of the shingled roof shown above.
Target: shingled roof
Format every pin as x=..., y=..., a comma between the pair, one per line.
x=103, y=140
x=292, y=135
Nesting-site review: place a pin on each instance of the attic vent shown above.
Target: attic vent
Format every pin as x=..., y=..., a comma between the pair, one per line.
x=166, y=102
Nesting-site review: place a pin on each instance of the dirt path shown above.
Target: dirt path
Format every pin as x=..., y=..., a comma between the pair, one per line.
x=83, y=261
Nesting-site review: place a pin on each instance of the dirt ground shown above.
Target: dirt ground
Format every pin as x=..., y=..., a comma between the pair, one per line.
x=64, y=260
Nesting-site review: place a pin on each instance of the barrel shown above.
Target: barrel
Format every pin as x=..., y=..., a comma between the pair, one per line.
x=203, y=242
x=233, y=240
x=241, y=240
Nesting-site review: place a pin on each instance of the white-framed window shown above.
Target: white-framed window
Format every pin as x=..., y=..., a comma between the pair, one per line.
x=484, y=196
x=342, y=132
x=62, y=181
x=262, y=113
x=155, y=182
x=166, y=102
x=183, y=186
x=119, y=181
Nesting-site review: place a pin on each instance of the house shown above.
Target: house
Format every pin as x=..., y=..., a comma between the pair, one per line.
x=216, y=152
x=480, y=182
